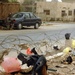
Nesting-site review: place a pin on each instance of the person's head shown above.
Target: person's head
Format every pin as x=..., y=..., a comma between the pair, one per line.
x=67, y=36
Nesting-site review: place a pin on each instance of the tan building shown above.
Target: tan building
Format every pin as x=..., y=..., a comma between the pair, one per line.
x=70, y=1
x=56, y=11
x=20, y=1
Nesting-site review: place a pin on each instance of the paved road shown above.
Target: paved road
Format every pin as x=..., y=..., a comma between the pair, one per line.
x=48, y=28
x=50, y=31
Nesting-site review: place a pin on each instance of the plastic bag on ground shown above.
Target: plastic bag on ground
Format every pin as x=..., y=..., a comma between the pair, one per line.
x=11, y=65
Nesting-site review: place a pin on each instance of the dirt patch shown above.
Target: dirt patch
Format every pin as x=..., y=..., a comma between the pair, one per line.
x=62, y=69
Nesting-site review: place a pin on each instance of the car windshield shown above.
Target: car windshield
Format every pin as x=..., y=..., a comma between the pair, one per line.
x=18, y=15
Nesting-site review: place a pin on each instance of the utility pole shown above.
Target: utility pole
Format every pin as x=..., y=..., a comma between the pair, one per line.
x=33, y=6
x=54, y=0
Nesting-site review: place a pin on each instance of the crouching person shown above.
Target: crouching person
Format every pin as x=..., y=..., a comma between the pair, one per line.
x=10, y=24
x=66, y=58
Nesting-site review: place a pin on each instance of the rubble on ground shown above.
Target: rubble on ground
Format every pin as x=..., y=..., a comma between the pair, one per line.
x=55, y=67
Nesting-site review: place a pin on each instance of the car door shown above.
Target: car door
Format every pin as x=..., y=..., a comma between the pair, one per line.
x=27, y=20
x=33, y=18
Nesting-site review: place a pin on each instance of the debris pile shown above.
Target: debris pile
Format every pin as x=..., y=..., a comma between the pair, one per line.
x=41, y=58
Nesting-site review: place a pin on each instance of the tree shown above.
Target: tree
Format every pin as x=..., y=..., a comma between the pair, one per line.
x=12, y=0
x=8, y=0
x=4, y=1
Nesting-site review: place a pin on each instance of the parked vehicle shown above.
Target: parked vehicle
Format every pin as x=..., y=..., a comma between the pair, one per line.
x=2, y=22
x=21, y=19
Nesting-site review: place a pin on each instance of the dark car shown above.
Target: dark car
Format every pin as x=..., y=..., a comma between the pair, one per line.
x=21, y=19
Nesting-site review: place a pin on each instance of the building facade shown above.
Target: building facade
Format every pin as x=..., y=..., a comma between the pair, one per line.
x=56, y=11
x=30, y=5
x=70, y=1
x=20, y=1
x=54, y=0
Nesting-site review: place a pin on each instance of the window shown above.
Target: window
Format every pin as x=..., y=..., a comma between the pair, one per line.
x=74, y=12
x=69, y=12
x=63, y=13
x=47, y=12
x=32, y=15
x=27, y=16
x=19, y=15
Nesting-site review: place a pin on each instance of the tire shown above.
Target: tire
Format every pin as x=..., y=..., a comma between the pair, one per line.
x=36, y=26
x=19, y=26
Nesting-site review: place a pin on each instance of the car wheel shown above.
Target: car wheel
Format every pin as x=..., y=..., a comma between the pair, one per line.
x=19, y=26
x=36, y=26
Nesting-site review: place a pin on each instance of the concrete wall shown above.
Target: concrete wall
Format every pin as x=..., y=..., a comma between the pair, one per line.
x=55, y=10
x=20, y=1
x=66, y=7
x=70, y=1
x=41, y=6
x=6, y=8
